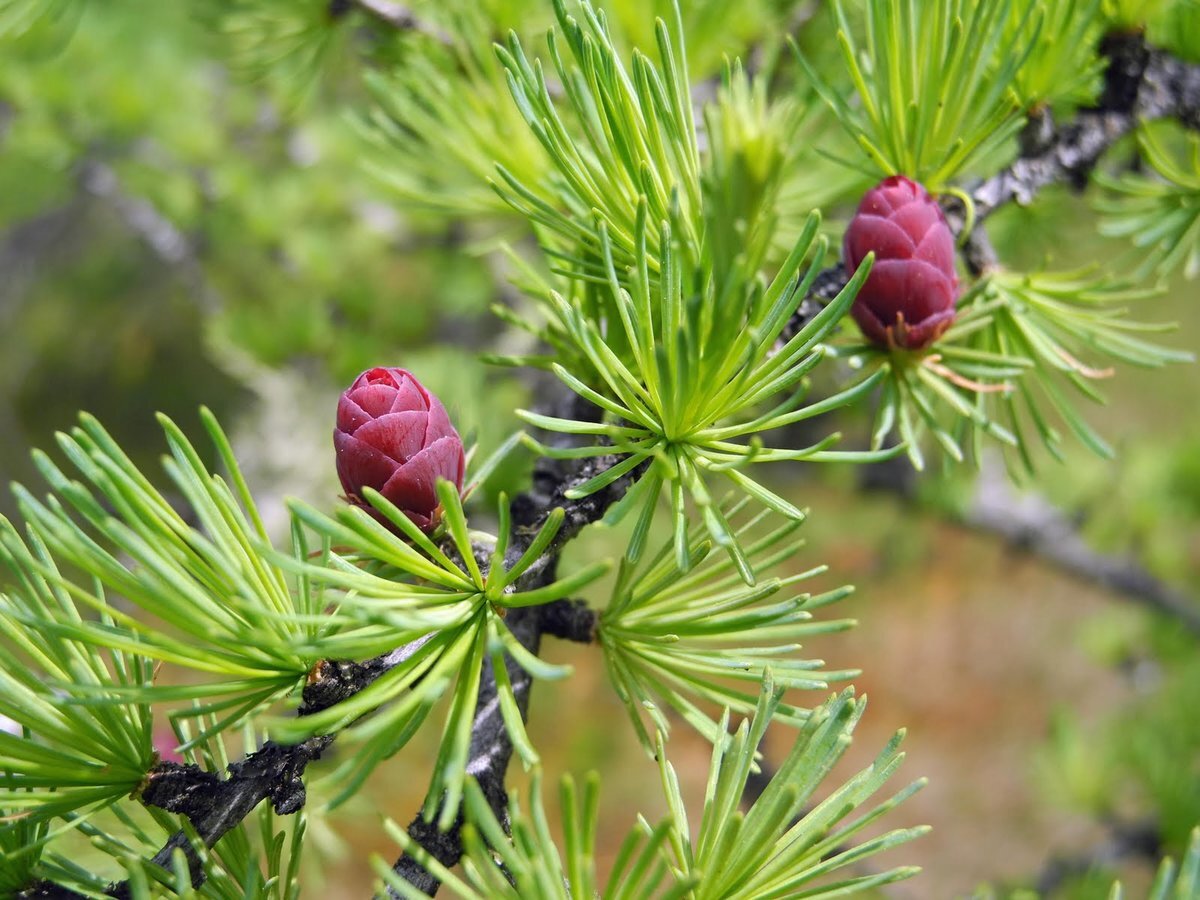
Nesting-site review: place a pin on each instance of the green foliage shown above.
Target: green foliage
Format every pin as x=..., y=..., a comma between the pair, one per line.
x=83, y=744
x=698, y=362
x=1067, y=327
x=1145, y=749
x=934, y=393
x=675, y=197
x=784, y=843
x=680, y=641
x=446, y=616
x=442, y=122
x=1063, y=68
x=633, y=142
x=1177, y=29
x=716, y=30
x=931, y=129
x=667, y=326
x=1161, y=213
x=781, y=847
x=19, y=18
x=211, y=587
x=533, y=866
x=1022, y=346
x=623, y=136
x=1131, y=759
x=1132, y=14
x=233, y=868
x=258, y=859
x=288, y=40
x=21, y=845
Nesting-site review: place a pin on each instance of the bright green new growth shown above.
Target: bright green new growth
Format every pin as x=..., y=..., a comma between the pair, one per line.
x=448, y=615
x=783, y=846
x=1163, y=213
x=1067, y=326
x=1177, y=29
x=934, y=393
x=702, y=368
x=667, y=327
x=1062, y=68
x=1132, y=14
x=442, y=122
x=703, y=639
x=1022, y=345
x=21, y=846
x=208, y=599
x=531, y=857
x=932, y=128
x=632, y=143
x=784, y=843
x=218, y=600
x=85, y=745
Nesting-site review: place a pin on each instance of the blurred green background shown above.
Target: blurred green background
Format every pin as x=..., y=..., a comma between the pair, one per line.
x=174, y=233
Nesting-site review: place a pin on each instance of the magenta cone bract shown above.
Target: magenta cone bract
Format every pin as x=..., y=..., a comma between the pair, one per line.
x=908, y=299
x=394, y=436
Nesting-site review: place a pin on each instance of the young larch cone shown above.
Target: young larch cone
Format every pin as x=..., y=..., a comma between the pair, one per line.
x=908, y=299
x=394, y=436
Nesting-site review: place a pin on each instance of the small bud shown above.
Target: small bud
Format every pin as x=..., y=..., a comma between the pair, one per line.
x=394, y=436
x=908, y=299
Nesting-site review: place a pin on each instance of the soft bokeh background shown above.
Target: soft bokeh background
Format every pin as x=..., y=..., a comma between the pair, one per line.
x=172, y=234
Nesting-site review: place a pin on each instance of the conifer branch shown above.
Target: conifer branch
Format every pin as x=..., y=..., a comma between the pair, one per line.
x=1142, y=83
x=491, y=744
x=215, y=805
x=570, y=620
x=1032, y=524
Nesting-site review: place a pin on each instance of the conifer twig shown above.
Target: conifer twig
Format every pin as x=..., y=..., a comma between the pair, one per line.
x=1142, y=83
x=491, y=746
x=1030, y=522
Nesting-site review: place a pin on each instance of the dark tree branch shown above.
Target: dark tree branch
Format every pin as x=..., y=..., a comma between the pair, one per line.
x=1032, y=524
x=571, y=620
x=214, y=806
x=1126, y=840
x=490, y=753
x=491, y=746
x=1029, y=523
x=1141, y=84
